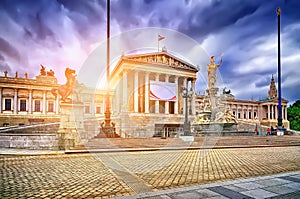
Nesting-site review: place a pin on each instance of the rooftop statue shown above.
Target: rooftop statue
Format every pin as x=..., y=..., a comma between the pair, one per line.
x=50, y=73
x=43, y=70
x=212, y=68
x=226, y=92
x=68, y=88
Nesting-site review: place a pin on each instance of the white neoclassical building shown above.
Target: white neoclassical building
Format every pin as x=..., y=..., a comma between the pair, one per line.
x=148, y=93
x=264, y=112
x=26, y=101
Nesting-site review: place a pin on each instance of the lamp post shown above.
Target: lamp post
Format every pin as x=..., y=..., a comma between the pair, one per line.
x=108, y=127
x=186, y=125
x=279, y=120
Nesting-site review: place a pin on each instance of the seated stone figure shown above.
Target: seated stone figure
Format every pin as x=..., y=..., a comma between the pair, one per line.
x=230, y=118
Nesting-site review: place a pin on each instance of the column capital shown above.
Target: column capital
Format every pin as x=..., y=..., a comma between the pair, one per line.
x=157, y=76
x=125, y=70
x=167, y=78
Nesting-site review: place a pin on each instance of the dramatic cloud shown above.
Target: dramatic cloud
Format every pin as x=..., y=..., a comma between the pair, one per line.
x=64, y=33
x=9, y=50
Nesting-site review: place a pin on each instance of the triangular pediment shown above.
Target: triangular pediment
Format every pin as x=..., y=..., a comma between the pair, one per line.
x=162, y=58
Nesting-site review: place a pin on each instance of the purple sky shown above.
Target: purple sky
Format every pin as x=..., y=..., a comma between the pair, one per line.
x=63, y=33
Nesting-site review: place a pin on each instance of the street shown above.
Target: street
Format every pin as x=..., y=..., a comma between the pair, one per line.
x=105, y=175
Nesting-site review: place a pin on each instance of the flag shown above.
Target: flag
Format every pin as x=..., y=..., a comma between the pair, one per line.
x=160, y=37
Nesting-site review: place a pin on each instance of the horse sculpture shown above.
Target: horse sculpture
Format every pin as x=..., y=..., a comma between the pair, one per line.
x=226, y=92
x=67, y=89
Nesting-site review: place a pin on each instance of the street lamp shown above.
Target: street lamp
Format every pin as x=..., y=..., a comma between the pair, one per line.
x=279, y=119
x=186, y=126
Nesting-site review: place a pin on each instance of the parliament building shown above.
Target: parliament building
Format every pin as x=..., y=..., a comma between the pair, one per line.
x=145, y=98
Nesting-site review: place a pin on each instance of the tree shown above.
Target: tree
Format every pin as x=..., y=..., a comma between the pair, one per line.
x=293, y=115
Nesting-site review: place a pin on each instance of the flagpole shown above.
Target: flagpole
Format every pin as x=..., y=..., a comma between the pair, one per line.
x=157, y=43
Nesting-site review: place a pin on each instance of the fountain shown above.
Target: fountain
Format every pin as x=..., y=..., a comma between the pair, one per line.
x=213, y=117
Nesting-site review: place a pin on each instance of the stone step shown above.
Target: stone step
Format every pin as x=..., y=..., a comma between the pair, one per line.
x=105, y=143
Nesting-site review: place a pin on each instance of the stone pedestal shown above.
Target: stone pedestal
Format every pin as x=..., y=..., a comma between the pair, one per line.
x=71, y=125
x=125, y=124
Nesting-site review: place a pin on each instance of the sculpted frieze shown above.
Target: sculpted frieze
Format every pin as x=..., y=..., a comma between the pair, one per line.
x=8, y=92
x=23, y=93
x=37, y=94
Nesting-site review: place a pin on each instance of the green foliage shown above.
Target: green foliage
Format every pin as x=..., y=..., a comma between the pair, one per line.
x=293, y=115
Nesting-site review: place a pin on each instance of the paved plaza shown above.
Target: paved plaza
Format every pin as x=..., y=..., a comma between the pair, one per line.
x=120, y=174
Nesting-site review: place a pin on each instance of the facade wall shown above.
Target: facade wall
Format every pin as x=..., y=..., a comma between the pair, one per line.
x=26, y=101
x=264, y=112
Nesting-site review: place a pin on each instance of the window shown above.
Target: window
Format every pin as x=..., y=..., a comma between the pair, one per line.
x=98, y=109
x=37, y=105
x=50, y=106
x=254, y=114
x=22, y=105
x=7, y=104
x=87, y=108
x=239, y=115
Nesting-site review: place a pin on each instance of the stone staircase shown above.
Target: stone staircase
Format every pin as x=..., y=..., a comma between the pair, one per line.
x=199, y=142
x=250, y=140
x=115, y=143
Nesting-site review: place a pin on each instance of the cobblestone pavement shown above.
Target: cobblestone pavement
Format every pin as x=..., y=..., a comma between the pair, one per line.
x=106, y=175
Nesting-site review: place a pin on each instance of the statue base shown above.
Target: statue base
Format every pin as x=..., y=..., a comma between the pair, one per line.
x=212, y=92
x=109, y=131
x=71, y=125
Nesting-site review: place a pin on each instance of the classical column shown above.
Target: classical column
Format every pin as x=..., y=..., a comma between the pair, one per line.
x=276, y=111
x=268, y=112
x=93, y=105
x=177, y=96
x=184, y=85
x=242, y=113
x=117, y=98
x=236, y=111
x=30, y=102
x=44, y=102
x=285, y=110
x=167, y=102
x=272, y=109
x=136, y=92
x=147, y=92
x=0, y=99
x=57, y=104
x=157, y=101
x=16, y=101
x=103, y=105
x=124, y=85
x=252, y=113
x=193, y=97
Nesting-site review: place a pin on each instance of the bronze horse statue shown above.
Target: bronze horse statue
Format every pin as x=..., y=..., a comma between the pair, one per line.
x=67, y=89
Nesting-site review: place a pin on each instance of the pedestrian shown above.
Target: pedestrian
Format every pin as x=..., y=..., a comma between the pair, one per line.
x=268, y=131
x=256, y=130
x=272, y=130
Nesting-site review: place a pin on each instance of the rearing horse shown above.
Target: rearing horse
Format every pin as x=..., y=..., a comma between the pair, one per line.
x=67, y=89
